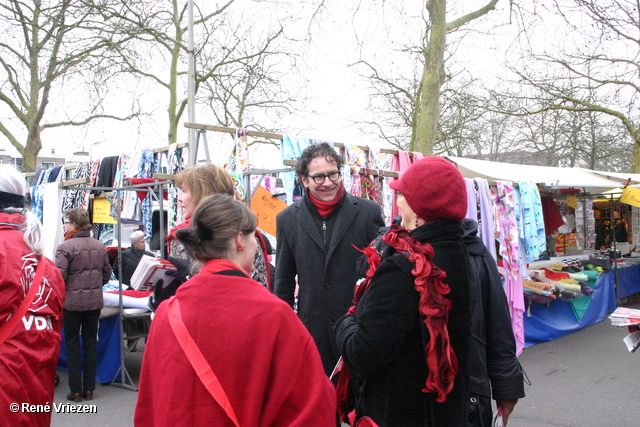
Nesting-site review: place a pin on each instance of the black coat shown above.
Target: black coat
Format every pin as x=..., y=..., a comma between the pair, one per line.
x=493, y=365
x=130, y=259
x=383, y=343
x=324, y=261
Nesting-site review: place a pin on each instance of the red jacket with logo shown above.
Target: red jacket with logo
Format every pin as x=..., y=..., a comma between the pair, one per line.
x=28, y=356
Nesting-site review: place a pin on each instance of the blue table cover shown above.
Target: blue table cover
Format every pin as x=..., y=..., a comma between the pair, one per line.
x=108, y=350
x=549, y=322
x=628, y=280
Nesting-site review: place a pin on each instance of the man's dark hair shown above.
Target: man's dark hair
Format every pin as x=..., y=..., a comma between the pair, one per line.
x=317, y=150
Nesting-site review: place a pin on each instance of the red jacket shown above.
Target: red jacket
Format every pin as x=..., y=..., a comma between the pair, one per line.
x=264, y=357
x=28, y=357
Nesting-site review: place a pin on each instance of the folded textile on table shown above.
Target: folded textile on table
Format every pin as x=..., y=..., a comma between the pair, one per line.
x=113, y=300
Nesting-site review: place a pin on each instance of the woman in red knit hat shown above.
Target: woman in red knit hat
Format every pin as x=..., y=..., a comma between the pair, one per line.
x=404, y=344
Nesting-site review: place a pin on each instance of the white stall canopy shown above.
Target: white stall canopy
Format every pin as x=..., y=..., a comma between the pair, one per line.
x=546, y=177
x=634, y=177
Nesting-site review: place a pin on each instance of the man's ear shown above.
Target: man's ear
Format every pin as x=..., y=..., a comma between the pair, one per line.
x=304, y=180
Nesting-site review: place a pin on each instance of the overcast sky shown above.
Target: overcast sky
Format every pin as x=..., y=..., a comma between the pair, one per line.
x=338, y=95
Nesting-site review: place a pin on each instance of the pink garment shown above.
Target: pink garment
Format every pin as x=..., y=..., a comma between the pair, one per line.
x=507, y=229
x=400, y=163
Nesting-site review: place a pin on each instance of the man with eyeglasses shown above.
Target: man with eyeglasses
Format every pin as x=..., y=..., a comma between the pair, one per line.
x=317, y=237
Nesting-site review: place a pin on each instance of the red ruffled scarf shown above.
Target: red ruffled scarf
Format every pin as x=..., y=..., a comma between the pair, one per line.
x=325, y=208
x=441, y=359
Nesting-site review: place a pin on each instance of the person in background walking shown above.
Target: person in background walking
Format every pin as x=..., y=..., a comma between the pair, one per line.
x=84, y=264
x=29, y=349
x=317, y=237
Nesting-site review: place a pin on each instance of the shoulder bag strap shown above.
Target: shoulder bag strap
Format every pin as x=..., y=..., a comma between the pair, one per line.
x=197, y=359
x=11, y=324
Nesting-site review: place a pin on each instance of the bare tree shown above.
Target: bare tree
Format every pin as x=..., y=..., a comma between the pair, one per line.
x=250, y=92
x=599, y=74
x=44, y=45
x=232, y=64
x=409, y=98
x=427, y=106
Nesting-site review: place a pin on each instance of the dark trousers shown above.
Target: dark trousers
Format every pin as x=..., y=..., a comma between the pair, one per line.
x=85, y=323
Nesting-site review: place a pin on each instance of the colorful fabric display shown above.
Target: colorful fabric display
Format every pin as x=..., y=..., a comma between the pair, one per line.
x=507, y=233
x=238, y=163
x=400, y=162
x=146, y=170
x=74, y=198
x=532, y=220
x=291, y=148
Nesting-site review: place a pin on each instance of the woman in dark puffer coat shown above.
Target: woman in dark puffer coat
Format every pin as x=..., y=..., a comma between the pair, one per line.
x=84, y=264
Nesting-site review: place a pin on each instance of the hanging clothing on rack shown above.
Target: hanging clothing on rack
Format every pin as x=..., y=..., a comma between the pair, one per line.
x=52, y=217
x=486, y=217
x=175, y=166
x=238, y=163
x=531, y=221
x=147, y=165
x=400, y=162
x=291, y=148
x=74, y=198
x=507, y=229
x=122, y=173
x=131, y=209
x=472, y=199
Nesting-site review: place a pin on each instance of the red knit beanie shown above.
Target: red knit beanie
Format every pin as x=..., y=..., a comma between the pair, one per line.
x=434, y=189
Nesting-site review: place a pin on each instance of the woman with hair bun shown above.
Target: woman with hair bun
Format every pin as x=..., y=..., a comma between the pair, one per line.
x=29, y=349
x=224, y=328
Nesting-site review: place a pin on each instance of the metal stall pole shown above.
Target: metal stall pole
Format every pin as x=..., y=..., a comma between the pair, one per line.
x=125, y=381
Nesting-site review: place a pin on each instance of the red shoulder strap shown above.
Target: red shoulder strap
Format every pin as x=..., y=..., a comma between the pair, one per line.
x=197, y=359
x=11, y=324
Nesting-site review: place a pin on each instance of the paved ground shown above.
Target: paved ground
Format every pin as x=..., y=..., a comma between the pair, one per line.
x=587, y=379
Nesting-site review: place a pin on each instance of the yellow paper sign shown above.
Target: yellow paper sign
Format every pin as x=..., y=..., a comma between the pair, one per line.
x=266, y=207
x=101, y=209
x=631, y=196
x=572, y=201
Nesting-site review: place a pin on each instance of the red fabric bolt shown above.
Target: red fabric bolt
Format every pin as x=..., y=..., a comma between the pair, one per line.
x=434, y=189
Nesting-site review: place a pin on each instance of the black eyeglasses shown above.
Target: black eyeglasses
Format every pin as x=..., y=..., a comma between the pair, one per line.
x=319, y=179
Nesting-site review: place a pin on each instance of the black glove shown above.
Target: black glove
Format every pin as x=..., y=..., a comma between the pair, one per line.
x=165, y=291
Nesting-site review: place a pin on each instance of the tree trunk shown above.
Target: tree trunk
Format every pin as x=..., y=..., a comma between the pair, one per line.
x=31, y=150
x=428, y=99
x=636, y=153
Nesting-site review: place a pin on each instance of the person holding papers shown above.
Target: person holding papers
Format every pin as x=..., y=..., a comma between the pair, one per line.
x=224, y=351
x=85, y=268
x=131, y=257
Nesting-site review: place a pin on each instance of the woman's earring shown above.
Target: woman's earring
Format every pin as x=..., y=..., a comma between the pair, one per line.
x=417, y=221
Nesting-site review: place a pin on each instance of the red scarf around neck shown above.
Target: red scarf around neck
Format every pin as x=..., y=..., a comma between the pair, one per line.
x=69, y=234
x=325, y=208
